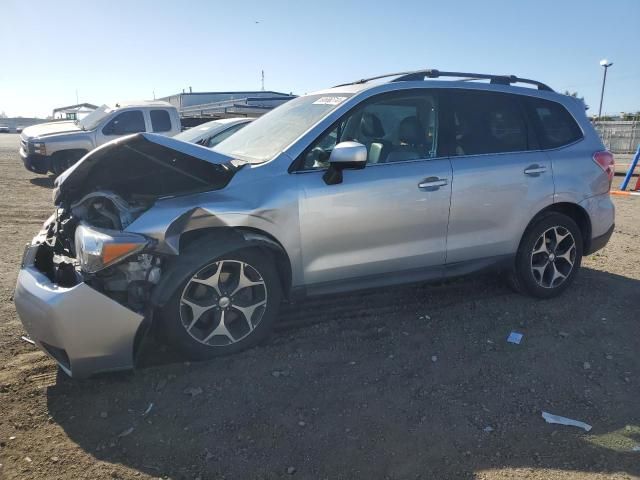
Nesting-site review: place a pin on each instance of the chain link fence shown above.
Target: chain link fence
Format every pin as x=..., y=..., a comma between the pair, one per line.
x=619, y=136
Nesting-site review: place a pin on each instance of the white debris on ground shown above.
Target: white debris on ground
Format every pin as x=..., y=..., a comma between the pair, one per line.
x=551, y=418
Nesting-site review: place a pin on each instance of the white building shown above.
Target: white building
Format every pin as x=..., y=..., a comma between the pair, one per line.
x=73, y=112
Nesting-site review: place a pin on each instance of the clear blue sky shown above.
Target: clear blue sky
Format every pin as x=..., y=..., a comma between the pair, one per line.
x=122, y=50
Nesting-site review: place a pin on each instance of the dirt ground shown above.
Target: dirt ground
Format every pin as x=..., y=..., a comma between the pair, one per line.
x=400, y=383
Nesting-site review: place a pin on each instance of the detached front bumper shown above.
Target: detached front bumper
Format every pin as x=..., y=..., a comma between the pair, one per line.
x=34, y=162
x=85, y=331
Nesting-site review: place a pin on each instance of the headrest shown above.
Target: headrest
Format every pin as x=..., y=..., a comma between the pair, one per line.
x=411, y=131
x=371, y=126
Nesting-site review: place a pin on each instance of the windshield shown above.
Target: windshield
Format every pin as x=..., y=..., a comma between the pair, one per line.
x=92, y=120
x=196, y=133
x=267, y=136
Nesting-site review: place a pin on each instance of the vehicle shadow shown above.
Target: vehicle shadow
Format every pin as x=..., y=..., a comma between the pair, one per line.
x=45, y=182
x=414, y=381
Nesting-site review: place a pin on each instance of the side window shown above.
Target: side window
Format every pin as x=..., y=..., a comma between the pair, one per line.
x=486, y=122
x=160, y=121
x=131, y=121
x=216, y=139
x=394, y=127
x=555, y=124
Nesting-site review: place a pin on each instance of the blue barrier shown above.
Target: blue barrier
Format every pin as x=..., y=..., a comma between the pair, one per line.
x=632, y=167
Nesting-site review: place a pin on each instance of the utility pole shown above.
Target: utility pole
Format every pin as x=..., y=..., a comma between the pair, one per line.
x=606, y=64
x=263, y=80
x=77, y=101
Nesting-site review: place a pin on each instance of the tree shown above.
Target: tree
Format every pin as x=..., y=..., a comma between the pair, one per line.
x=631, y=116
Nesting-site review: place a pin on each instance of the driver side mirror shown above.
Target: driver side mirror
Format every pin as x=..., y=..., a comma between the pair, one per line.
x=352, y=155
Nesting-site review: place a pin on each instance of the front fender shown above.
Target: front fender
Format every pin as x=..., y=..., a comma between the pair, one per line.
x=70, y=141
x=214, y=243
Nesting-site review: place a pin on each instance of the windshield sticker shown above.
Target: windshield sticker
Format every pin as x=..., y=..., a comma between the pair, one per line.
x=329, y=100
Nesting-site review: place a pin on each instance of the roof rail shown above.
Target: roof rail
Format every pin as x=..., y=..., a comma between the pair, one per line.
x=419, y=75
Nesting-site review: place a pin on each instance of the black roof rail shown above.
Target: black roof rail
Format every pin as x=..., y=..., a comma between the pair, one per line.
x=419, y=75
x=365, y=80
x=497, y=79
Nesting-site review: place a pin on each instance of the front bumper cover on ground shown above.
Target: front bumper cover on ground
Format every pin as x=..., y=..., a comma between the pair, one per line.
x=85, y=331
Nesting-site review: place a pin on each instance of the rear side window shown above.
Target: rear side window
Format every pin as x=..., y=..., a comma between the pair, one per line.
x=160, y=121
x=556, y=125
x=486, y=122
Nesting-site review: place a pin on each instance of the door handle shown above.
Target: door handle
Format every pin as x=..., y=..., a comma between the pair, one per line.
x=535, y=170
x=432, y=183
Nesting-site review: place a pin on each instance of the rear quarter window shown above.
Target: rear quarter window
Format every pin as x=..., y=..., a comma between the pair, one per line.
x=556, y=126
x=160, y=121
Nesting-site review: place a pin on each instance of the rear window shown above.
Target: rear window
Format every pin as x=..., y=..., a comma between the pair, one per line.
x=556, y=125
x=160, y=121
x=486, y=122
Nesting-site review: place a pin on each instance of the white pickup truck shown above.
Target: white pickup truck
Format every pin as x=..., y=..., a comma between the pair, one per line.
x=55, y=146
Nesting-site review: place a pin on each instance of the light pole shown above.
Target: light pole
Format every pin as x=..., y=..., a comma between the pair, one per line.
x=606, y=64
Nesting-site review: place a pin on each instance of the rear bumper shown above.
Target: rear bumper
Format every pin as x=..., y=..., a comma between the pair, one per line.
x=35, y=163
x=602, y=215
x=599, y=242
x=85, y=331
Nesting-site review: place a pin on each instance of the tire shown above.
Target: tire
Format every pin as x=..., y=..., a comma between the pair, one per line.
x=189, y=327
x=60, y=161
x=545, y=266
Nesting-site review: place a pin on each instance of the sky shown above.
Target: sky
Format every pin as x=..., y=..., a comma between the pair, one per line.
x=109, y=51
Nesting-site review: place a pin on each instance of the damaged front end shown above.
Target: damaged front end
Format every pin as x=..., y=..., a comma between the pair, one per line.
x=84, y=244
x=84, y=287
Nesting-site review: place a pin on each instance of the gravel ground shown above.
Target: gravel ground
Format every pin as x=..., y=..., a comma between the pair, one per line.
x=408, y=382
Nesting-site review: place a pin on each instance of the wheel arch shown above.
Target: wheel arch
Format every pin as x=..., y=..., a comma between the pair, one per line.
x=573, y=211
x=76, y=153
x=67, y=151
x=218, y=241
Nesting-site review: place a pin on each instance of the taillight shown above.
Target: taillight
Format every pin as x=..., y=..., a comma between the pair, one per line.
x=605, y=160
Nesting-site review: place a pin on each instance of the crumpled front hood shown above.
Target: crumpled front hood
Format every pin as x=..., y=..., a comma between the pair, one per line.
x=146, y=165
x=51, y=128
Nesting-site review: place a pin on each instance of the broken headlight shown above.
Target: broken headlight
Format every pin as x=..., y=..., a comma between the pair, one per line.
x=97, y=248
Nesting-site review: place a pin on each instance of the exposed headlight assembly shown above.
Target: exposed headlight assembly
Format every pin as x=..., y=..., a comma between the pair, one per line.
x=96, y=249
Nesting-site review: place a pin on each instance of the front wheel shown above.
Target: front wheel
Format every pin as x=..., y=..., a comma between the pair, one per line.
x=228, y=304
x=60, y=161
x=549, y=256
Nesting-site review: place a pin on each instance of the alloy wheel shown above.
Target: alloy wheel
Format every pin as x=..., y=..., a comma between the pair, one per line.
x=223, y=303
x=553, y=257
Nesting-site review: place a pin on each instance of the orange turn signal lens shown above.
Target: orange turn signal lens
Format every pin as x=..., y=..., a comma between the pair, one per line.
x=113, y=251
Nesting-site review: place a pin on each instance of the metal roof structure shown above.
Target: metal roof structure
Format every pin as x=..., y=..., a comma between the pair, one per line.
x=214, y=105
x=75, y=107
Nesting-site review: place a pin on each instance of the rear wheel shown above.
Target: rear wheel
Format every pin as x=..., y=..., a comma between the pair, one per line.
x=549, y=257
x=228, y=304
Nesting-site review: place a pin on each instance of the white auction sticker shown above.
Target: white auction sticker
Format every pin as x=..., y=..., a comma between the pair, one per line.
x=329, y=100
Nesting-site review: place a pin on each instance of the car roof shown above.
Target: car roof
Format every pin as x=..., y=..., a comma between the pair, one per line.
x=224, y=121
x=142, y=103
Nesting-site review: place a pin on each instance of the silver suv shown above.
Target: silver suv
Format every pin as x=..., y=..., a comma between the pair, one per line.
x=362, y=185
